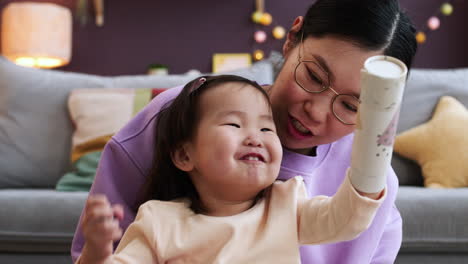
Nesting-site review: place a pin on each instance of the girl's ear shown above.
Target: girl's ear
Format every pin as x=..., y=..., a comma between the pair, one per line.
x=291, y=40
x=181, y=159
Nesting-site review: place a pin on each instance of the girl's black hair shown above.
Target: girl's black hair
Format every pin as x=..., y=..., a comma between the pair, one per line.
x=176, y=124
x=369, y=24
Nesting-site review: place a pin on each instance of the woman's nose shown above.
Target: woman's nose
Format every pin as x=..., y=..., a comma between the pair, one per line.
x=253, y=141
x=318, y=108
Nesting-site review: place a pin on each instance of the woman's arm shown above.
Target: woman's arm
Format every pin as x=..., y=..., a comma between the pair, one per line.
x=390, y=242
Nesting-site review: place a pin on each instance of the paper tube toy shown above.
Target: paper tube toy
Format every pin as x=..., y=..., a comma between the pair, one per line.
x=382, y=84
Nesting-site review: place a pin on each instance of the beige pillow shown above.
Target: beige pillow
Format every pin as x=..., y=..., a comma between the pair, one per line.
x=97, y=114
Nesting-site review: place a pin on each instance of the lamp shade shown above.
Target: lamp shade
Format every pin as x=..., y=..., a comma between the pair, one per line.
x=37, y=34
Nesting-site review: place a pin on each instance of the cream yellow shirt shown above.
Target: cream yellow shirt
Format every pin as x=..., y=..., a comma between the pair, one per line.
x=269, y=232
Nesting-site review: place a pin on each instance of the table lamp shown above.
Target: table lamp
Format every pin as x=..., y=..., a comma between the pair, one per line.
x=37, y=34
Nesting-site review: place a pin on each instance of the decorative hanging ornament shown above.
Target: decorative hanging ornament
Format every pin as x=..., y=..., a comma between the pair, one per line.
x=446, y=9
x=260, y=36
x=279, y=32
x=99, y=8
x=256, y=16
x=433, y=23
x=259, y=11
x=258, y=55
x=260, y=16
x=266, y=19
x=421, y=37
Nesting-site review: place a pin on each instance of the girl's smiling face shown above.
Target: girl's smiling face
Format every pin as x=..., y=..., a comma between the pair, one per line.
x=235, y=152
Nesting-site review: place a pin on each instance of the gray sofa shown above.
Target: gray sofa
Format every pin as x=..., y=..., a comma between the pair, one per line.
x=37, y=223
x=435, y=221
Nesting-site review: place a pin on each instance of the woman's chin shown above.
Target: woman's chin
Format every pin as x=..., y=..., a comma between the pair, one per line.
x=296, y=145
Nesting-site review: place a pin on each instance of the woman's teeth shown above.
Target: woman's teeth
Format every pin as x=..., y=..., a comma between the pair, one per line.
x=300, y=127
x=252, y=158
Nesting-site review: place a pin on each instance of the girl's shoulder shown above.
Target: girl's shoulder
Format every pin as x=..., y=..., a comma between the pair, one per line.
x=175, y=208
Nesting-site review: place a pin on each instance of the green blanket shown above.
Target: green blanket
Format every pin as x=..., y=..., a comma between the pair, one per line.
x=82, y=176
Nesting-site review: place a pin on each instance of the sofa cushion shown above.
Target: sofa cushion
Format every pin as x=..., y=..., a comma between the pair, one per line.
x=39, y=220
x=434, y=220
x=35, y=130
x=422, y=92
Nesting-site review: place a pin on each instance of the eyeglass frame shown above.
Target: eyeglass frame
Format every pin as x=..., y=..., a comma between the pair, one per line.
x=299, y=61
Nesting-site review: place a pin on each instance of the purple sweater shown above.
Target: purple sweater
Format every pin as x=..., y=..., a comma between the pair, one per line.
x=127, y=158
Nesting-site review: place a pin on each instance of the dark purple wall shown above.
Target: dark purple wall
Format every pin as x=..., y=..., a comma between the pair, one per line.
x=446, y=47
x=185, y=34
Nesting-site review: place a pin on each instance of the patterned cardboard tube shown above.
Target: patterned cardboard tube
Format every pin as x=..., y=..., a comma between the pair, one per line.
x=382, y=84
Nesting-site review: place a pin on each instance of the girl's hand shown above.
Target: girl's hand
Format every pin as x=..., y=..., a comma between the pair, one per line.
x=100, y=227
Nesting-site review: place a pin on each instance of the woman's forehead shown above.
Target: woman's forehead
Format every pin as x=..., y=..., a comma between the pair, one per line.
x=340, y=59
x=335, y=49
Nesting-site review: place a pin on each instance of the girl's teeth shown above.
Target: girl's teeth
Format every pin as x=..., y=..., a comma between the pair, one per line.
x=299, y=126
x=252, y=158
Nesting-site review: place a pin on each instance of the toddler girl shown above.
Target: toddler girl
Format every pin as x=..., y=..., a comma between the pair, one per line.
x=212, y=192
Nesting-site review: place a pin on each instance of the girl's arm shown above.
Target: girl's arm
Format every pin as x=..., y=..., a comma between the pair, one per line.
x=341, y=217
x=137, y=244
x=115, y=172
x=100, y=228
x=374, y=196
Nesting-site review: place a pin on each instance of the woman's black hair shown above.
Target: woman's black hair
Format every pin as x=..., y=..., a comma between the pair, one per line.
x=369, y=24
x=176, y=124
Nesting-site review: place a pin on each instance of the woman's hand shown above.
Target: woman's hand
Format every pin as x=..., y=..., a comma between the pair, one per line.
x=100, y=227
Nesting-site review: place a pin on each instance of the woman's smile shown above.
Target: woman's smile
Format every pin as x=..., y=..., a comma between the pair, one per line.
x=297, y=130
